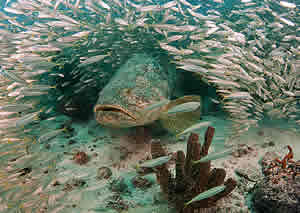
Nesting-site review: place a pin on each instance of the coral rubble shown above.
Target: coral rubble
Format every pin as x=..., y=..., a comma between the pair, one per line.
x=191, y=179
x=279, y=190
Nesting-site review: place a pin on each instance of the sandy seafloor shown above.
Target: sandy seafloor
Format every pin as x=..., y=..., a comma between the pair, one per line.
x=103, y=147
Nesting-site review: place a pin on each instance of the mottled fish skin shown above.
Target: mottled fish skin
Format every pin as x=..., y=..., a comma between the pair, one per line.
x=140, y=82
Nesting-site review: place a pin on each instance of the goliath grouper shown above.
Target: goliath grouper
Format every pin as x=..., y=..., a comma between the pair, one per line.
x=139, y=84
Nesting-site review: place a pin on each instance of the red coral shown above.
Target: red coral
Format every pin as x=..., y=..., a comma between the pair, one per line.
x=287, y=158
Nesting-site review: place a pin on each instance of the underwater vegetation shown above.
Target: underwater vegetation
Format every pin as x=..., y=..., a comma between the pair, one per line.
x=56, y=57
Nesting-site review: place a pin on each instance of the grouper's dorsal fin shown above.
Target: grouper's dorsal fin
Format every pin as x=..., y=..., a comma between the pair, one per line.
x=177, y=122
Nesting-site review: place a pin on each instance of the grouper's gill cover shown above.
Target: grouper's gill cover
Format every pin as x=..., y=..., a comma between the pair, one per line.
x=140, y=82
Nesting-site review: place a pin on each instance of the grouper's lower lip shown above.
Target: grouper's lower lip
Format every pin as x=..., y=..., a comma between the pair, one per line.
x=113, y=108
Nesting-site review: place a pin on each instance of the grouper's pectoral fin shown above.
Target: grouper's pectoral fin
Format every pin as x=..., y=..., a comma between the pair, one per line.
x=184, y=118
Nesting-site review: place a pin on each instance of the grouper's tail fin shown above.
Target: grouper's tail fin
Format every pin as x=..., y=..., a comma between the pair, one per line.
x=181, y=113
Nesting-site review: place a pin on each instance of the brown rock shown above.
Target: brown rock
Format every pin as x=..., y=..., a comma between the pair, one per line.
x=104, y=173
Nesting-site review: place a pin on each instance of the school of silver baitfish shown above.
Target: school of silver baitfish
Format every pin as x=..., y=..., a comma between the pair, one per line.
x=249, y=51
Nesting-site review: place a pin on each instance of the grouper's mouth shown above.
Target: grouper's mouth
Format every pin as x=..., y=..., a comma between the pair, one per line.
x=113, y=108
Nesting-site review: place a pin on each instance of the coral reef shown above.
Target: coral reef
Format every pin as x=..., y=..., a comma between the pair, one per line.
x=191, y=179
x=279, y=190
x=275, y=169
